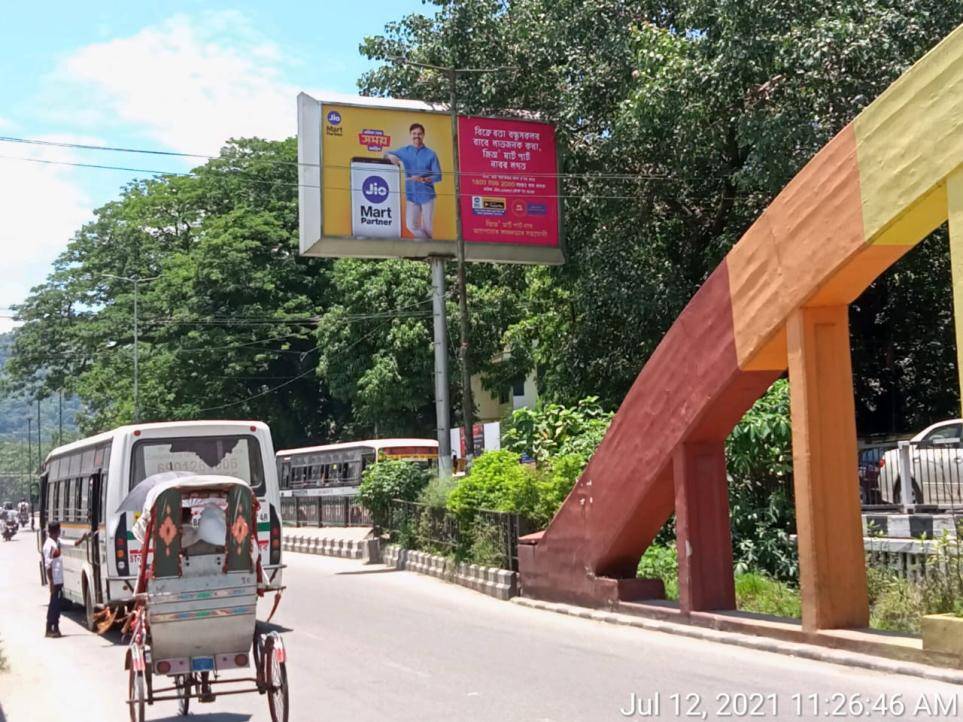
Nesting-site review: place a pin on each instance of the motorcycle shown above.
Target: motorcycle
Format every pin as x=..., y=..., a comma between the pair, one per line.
x=10, y=527
x=24, y=517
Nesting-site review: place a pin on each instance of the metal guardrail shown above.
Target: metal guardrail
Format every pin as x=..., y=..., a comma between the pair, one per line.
x=935, y=471
x=440, y=531
x=324, y=511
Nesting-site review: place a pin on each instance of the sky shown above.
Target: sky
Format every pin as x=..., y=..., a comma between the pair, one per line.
x=181, y=76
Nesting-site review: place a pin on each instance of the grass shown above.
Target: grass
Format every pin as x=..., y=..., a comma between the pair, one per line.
x=754, y=592
x=896, y=604
x=763, y=595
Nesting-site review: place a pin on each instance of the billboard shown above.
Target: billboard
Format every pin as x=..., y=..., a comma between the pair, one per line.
x=509, y=182
x=377, y=180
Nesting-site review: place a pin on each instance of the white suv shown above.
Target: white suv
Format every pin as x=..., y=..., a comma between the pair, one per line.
x=936, y=461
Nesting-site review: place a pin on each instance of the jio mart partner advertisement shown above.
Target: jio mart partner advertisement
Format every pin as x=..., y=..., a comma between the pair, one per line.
x=387, y=174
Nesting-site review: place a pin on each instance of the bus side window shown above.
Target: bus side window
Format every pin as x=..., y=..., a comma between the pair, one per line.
x=52, y=500
x=104, y=477
x=74, y=467
x=83, y=507
x=55, y=502
x=87, y=462
x=65, y=498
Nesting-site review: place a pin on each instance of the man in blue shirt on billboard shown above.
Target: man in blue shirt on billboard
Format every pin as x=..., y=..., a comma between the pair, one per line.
x=422, y=171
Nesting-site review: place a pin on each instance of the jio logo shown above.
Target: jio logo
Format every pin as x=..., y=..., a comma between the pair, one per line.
x=334, y=117
x=375, y=189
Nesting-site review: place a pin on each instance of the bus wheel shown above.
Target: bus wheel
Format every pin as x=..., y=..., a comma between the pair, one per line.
x=90, y=619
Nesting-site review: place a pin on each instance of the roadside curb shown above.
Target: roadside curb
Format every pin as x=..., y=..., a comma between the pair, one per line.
x=491, y=581
x=762, y=644
x=367, y=550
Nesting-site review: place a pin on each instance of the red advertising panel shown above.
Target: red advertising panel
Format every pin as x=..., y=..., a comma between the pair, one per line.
x=509, y=182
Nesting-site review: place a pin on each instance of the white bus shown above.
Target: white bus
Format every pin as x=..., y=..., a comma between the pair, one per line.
x=82, y=484
x=318, y=481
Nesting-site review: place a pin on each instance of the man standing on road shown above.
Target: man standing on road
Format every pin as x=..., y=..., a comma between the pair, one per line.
x=422, y=171
x=54, y=565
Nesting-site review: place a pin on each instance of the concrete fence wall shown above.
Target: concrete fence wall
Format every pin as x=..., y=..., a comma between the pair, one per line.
x=498, y=583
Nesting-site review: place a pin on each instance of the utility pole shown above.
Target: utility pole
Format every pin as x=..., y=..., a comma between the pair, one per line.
x=39, y=439
x=29, y=447
x=60, y=419
x=136, y=281
x=440, y=343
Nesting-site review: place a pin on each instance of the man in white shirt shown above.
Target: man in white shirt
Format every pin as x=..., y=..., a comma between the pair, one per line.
x=54, y=565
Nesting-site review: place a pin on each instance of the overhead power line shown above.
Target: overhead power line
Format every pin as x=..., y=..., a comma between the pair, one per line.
x=275, y=161
x=257, y=181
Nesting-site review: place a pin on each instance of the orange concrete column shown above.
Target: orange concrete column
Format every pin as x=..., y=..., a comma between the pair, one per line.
x=703, y=537
x=832, y=566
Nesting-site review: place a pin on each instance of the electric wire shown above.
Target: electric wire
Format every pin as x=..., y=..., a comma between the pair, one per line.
x=177, y=154
x=292, y=380
x=463, y=194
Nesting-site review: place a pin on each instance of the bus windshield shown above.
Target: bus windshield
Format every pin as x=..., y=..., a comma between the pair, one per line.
x=238, y=456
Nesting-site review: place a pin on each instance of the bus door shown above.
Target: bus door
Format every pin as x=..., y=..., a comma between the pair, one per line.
x=94, y=542
x=42, y=531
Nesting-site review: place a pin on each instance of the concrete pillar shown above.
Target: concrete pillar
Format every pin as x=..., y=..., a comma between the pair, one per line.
x=832, y=566
x=954, y=200
x=703, y=536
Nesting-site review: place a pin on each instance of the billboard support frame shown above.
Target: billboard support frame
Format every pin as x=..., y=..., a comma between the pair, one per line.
x=466, y=400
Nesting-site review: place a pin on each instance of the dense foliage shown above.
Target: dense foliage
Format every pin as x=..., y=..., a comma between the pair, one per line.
x=679, y=122
x=386, y=481
x=759, y=461
x=552, y=430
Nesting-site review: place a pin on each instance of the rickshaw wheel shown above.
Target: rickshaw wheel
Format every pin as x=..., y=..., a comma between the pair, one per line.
x=182, y=682
x=277, y=682
x=135, y=692
x=259, y=673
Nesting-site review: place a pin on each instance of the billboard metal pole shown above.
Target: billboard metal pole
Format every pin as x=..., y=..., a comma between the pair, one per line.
x=442, y=404
x=466, y=402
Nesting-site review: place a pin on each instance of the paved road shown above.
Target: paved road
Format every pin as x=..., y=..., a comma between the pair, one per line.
x=365, y=643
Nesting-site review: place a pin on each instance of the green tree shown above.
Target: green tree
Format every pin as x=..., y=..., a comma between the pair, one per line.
x=678, y=124
x=386, y=481
x=229, y=318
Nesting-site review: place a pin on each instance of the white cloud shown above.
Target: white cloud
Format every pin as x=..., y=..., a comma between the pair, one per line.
x=188, y=82
x=42, y=207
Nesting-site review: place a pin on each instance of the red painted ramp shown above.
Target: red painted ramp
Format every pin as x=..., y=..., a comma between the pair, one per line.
x=691, y=390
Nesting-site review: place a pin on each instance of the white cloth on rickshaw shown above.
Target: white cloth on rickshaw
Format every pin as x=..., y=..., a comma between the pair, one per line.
x=210, y=482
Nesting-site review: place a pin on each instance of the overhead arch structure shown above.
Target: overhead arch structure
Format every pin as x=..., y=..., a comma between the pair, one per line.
x=778, y=301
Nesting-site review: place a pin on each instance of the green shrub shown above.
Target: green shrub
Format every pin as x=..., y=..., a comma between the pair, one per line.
x=759, y=462
x=497, y=482
x=436, y=493
x=387, y=480
x=899, y=605
x=487, y=546
x=556, y=430
x=754, y=592
x=554, y=481
x=660, y=562
x=3, y=659
x=763, y=595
